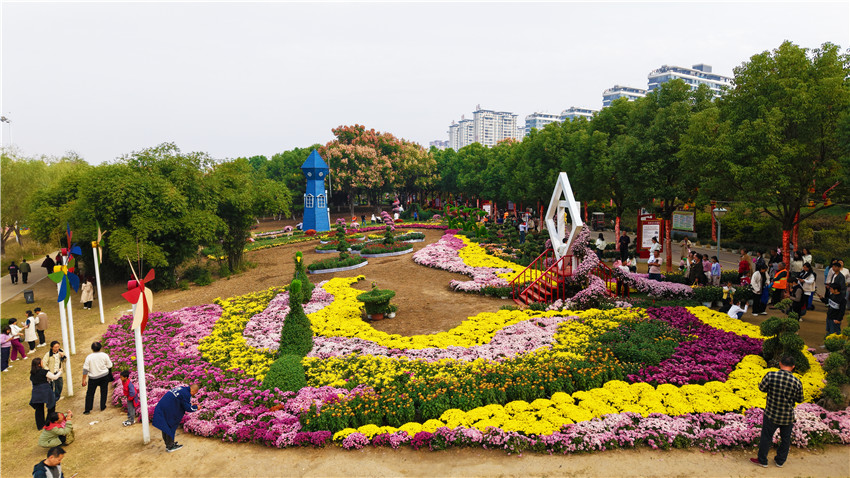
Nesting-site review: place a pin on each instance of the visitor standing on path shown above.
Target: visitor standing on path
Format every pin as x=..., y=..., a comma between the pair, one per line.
x=17, y=346
x=836, y=305
x=30, y=334
x=86, y=294
x=48, y=264
x=132, y=397
x=784, y=391
x=745, y=266
x=54, y=361
x=42, y=394
x=13, y=273
x=169, y=412
x=779, y=283
x=624, y=242
x=25, y=270
x=600, y=246
x=760, y=289
x=96, y=375
x=41, y=326
x=5, y=348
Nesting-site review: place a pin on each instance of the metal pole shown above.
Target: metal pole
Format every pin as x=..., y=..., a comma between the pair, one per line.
x=69, y=382
x=70, y=306
x=97, y=278
x=143, y=390
x=718, y=239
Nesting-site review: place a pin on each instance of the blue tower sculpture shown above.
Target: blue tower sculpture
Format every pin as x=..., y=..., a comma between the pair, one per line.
x=316, y=214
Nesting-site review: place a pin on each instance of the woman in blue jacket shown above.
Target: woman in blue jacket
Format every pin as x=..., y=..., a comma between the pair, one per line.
x=169, y=412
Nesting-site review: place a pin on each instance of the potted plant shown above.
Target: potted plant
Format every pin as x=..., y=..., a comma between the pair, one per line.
x=376, y=301
x=708, y=294
x=391, y=310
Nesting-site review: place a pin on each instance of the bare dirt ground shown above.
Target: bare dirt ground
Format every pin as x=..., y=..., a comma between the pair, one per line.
x=105, y=448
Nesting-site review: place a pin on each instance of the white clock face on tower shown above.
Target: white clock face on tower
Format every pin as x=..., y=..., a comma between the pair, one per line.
x=320, y=174
x=309, y=174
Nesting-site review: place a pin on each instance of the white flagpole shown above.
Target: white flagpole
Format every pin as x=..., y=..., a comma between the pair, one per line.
x=70, y=314
x=97, y=278
x=69, y=385
x=143, y=390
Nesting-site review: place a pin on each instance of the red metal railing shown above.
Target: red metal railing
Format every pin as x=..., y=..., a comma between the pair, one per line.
x=605, y=273
x=543, y=280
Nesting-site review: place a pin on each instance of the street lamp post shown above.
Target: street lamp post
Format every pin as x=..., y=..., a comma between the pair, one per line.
x=718, y=212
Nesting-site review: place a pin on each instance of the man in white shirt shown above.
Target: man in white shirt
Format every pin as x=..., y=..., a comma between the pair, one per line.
x=96, y=375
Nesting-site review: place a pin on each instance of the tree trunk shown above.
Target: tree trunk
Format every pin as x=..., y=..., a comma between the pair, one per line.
x=617, y=233
x=786, y=242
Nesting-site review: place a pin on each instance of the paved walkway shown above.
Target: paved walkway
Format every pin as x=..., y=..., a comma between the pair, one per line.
x=8, y=290
x=728, y=260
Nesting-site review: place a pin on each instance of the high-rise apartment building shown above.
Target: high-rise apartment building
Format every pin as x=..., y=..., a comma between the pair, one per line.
x=573, y=112
x=439, y=144
x=618, y=91
x=538, y=120
x=487, y=127
x=698, y=75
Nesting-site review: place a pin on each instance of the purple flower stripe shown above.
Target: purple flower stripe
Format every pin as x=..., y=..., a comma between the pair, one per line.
x=507, y=343
x=263, y=329
x=712, y=356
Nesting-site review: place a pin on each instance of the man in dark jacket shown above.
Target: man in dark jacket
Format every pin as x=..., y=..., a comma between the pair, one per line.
x=50, y=467
x=624, y=242
x=48, y=264
x=170, y=410
x=836, y=305
x=25, y=269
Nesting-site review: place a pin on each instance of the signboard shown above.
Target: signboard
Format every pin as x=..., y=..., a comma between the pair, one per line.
x=650, y=229
x=683, y=221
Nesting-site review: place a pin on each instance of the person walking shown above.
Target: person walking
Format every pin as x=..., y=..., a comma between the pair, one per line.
x=760, y=289
x=17, y=346
x=86, y=294
x=5, y=348
x=48, y=264
x=54, y=361
x=13, y=273
x=30, y=334
x=52, y=466
x=784, y=391
x=41, y=326
x=806, y=279
x=96, y=375
x=25, y=270
x=624, y=242
x=745, y=266
x=169, y=412
x=42, y=394
x=716, y=271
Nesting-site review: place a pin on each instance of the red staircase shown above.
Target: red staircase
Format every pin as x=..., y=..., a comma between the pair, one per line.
x=544, y=280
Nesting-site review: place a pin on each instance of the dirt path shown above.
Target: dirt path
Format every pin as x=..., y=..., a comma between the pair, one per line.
x=105, y=448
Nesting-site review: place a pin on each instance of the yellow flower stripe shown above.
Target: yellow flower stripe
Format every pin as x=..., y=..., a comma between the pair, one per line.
x=226, y=346
x=474, y=255
x=722, y=321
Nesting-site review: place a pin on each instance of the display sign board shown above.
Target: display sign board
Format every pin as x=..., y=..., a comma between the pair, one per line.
x=683, y=221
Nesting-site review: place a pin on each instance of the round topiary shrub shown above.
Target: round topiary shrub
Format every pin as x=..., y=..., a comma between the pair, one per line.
x=376, y=300
x=286, y=374
x=783, y=341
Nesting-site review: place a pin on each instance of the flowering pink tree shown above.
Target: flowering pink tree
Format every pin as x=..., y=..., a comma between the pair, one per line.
x=361, y=161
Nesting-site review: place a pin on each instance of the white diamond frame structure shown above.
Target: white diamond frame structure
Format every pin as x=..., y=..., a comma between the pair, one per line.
x=563, y=202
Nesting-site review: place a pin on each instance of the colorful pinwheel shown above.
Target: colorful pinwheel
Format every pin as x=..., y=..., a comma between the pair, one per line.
x=72, y=249
x=99, y=244
x=141, y=297
x=61, y=276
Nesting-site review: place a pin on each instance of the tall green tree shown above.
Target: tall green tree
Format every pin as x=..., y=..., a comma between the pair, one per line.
x=787, y=117
x=22, y=178
x=241, y=194
x=659, y=173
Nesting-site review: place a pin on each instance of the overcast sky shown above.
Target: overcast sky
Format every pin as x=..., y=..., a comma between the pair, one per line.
x=233, y=79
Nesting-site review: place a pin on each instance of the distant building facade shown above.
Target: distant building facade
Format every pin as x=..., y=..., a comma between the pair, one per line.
x=618, y=91
x=700, y=74
x=573, y=112
x=539, y=120
x=486, y=127
x=439, y=144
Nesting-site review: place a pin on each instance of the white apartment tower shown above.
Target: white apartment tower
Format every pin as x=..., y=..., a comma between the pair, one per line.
x=700, y=74
x=618, y=91
x=487, y=127
x=538, y=120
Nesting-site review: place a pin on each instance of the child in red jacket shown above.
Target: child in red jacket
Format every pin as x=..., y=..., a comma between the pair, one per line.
x=132, y=398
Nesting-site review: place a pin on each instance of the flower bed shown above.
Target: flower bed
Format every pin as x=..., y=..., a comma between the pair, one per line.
x=335, y=263
x=356, y=370
x=381, y=250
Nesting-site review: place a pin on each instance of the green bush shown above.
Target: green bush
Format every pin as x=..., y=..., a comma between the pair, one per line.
x=837, y=364
x=296, y=336
x=376, y=301
x=286, y=374
x=183, y=285
x=198, y=274
x=301, y=275
x=641, y=344
x=333, y=263
x=708, y=293
x=783, y=340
